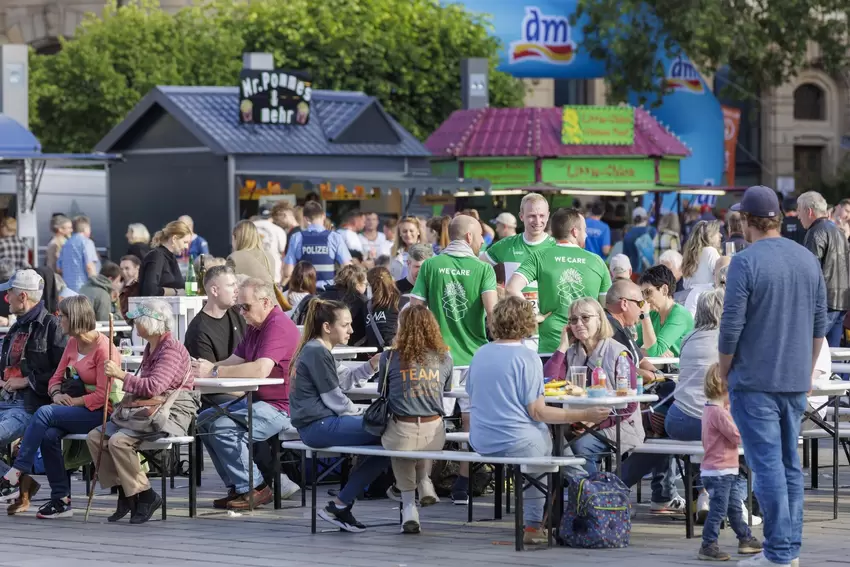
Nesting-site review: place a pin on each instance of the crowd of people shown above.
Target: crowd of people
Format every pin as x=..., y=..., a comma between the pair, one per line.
x=429, y=296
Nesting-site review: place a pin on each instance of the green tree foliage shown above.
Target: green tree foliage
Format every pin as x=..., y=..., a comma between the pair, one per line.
x=405, y=52
x=764, y=42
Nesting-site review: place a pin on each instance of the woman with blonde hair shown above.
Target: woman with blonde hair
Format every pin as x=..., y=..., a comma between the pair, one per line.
x=139, y=239
x=408, y=233
x=250, y=258
x=160, y=274
x=669, y=234
x=701, y=254
x=507, y=407
x=586, y=341
x=416, y=407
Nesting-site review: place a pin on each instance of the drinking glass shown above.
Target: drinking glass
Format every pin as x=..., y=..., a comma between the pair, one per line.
x=578, y=376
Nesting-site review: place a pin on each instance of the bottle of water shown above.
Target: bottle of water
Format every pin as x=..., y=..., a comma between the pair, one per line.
x=623, y=372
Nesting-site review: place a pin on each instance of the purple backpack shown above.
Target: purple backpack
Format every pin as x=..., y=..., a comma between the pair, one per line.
x=597, y=514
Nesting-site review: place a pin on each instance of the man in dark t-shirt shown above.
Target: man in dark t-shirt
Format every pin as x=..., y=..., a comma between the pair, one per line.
x=791, y=226
x=214, y=332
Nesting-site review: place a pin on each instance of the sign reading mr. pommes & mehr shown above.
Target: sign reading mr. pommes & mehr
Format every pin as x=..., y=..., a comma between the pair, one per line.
x=274, y=97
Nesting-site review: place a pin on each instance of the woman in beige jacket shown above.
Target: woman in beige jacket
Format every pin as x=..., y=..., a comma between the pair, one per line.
x=249, y=258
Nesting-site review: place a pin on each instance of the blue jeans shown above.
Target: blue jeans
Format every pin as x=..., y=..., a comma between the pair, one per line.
x=46, y=429
x=533, y=499
x=835, y=327
x=725, y=501
x=347, y=430
x=227, y=441
x=770, y=425
x=13, y=422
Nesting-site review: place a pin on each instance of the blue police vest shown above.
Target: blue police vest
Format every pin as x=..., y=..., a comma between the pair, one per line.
x=315, y=249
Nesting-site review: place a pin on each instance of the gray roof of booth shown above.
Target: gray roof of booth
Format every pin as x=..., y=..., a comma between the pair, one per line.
x=211, y=114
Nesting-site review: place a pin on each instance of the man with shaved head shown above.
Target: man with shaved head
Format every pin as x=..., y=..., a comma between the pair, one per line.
x=460, y=290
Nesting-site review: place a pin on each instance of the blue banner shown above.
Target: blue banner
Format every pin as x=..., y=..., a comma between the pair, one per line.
x=539, y=42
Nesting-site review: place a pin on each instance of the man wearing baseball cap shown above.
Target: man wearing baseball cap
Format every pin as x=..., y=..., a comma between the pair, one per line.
x=773, y=325
x=31, y=352
x=621, y=268
x=505, y=225
x=638, y=243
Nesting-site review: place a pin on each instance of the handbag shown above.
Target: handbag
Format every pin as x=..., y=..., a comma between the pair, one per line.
x=374, y=326
x=146, y=415
x=72, y=385
x=377, y=415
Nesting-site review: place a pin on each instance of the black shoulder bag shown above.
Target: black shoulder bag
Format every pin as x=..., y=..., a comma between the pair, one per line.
x=374, y=326
x=377, y=415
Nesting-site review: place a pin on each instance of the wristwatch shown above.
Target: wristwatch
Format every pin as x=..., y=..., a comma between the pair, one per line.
x=642, y=316
x=215, y=371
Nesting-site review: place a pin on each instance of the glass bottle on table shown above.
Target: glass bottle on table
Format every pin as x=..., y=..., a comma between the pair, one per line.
x=191, y=280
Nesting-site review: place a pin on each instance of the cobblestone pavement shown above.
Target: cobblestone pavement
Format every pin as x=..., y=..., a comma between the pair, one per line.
x=282, y=538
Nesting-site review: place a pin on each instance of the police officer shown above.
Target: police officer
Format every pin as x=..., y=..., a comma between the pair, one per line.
x=321, y=248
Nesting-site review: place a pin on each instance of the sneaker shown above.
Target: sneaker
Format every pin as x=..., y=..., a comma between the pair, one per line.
x=702, y=507
x=749, y=546
x=221, y=503
x=341, y=518
x=8, y=491
x=394, y=493
x=460, y=498
x=427, y=494
x=795, y=562
x=55, y=509
x=288, y=487
x=410, y=520
x=673, y=507
x=760, y=561
x=712, y=552
x=262, y=495
x=535, y=536
x=28, y=488
x=756, y=520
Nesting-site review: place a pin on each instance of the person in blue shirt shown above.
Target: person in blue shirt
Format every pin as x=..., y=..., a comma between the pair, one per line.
x=598, y=232
x=199, y=244
x=78, y=259
x=318, y=246
x=641, y=252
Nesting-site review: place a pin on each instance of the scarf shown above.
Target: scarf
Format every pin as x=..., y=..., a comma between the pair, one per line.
x=459, y=249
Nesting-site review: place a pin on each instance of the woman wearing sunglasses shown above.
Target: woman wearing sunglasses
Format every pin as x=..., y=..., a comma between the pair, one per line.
x=587, y=341
x=661, y=332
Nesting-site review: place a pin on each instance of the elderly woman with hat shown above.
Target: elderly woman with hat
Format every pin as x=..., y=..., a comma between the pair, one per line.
x=164, y=378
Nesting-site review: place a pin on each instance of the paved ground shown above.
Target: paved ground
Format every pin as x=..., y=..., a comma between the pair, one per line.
x=282, y=538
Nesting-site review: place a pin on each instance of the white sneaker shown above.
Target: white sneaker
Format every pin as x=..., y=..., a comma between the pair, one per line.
x=410, y=520
x=427, y=494
x=702, y=507
x=795, y=562
x=760, y=561
x=757, y=521
x=674, y=507
x=288, y=487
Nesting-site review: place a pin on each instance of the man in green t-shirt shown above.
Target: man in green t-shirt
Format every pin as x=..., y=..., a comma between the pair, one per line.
x=512, y=250
x=460, y=290
x=564, y=273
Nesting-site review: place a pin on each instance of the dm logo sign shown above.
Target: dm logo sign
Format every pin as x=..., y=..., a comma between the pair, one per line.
x=683, y=76
x=544, y=38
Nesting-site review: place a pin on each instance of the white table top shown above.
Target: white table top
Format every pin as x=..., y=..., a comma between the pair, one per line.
x=827, y=387
x=351, y=351
x=840, y=353
x=228, y=385
x=841, y=367
x=370, y=390
x=100, y=327
x=613, y=401
x=659, y=360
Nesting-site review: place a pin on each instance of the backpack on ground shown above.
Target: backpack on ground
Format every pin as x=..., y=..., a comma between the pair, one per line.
x=444, y=474
x=597, y=514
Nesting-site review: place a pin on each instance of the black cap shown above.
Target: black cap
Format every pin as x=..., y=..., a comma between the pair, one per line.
x=789, y=204
x=759, y=201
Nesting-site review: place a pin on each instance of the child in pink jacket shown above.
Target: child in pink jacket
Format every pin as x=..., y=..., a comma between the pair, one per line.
x=719, y=471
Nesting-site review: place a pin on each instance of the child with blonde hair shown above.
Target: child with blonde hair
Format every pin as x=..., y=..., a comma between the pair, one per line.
x=719, y=471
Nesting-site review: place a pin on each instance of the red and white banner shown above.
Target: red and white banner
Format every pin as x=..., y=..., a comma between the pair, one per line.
x=731, y=127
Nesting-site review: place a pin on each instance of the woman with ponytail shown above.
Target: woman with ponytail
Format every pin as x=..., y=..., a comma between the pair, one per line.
x=160, y=275
x=382, y=309
x=320, y=410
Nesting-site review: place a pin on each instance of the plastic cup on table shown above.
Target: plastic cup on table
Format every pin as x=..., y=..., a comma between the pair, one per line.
x=578, y=376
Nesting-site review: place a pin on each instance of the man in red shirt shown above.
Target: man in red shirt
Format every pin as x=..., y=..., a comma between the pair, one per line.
x=265, y=352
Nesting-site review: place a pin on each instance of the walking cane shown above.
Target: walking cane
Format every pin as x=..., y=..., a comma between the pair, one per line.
x=103, y=425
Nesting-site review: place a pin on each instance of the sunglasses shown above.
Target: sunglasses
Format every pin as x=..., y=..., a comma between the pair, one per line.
x=639, y=302
x=583, y=318
x=243, y=307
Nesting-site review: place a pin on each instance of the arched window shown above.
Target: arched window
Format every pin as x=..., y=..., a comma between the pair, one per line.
x=809, y=102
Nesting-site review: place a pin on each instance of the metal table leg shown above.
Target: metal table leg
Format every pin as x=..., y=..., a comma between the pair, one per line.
x=836, y=406
x=250, y=453
x=500, y=485
x=518, y=525
x=618, y=457
x=689, y=486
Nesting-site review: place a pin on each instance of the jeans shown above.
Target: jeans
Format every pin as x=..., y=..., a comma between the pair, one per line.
x=770, y=425
x=347, y=430
x=533, y=499
x=835, y=327
x=725, y=501
x=46, y=429
x=227, y=441
x=13, y=422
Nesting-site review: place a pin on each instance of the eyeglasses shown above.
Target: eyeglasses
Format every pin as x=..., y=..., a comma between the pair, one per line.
x=243, y=307
x=639, y=302
x=583, y=318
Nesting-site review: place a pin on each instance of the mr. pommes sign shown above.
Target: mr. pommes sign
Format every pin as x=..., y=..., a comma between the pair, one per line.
x=274, y=97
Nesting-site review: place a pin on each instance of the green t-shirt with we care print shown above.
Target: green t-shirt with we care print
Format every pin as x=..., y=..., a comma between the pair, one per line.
x=452, y=288
x=563, y=273
x=512, y=251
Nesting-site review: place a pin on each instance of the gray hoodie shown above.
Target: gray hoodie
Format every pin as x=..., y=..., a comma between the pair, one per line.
x=99, y=291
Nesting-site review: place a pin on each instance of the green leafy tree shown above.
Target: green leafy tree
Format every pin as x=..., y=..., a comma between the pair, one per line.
x=763, y=43
x=405, y=52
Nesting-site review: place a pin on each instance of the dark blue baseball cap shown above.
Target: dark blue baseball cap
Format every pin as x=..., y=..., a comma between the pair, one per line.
x=759, y=201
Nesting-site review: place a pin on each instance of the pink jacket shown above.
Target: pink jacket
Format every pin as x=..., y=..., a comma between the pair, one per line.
x=720, y=439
